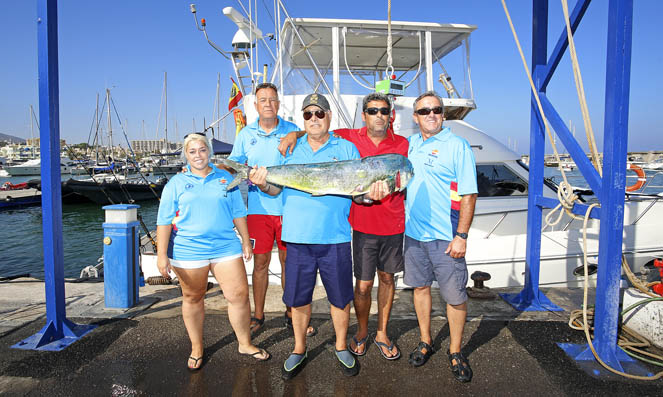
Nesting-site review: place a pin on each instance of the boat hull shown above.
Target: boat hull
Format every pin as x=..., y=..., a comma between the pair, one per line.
x=115, y=192
x=12, y=199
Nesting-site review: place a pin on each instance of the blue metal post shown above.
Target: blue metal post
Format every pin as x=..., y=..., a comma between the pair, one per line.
x=531, y=298
x=58, y=332
x=618, y=74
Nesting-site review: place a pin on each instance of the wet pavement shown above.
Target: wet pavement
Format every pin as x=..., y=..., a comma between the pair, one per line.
x=511, y=354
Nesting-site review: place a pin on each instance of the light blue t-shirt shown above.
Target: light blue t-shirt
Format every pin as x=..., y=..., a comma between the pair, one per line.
x=254, y=146
x=311, y=219
x=201, y=211
x=444, y=170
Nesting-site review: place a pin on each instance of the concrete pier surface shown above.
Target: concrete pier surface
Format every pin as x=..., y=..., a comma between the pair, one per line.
x=143, y=351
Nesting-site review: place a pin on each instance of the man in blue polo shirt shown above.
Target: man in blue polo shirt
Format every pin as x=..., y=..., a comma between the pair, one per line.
x=256, y=145
x=317, y=231
x=438, y=214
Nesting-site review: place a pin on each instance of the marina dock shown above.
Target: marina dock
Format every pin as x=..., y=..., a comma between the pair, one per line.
x=143, y=351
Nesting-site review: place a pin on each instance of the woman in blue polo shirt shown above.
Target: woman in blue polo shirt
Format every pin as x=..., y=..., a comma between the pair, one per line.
x=195, y=235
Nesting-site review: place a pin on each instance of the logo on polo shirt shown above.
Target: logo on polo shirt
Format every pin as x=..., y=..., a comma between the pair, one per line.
x=434, y=153
x=223, y=181
x=188, y=186
x=253, y=141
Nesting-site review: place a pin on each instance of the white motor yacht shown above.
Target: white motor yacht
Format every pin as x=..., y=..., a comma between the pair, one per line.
x=33, y=167
x=345, y=59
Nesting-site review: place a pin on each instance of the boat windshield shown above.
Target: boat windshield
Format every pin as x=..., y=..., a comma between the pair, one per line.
x=351, y=57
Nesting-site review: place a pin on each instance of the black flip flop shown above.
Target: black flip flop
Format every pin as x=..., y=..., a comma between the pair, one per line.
x=259, y=352
x=257, y=325
x=194, y=369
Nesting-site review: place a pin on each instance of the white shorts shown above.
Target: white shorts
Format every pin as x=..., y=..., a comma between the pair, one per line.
x=201, y=263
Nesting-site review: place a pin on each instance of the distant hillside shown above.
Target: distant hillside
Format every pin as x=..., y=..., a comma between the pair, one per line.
x=13, y=139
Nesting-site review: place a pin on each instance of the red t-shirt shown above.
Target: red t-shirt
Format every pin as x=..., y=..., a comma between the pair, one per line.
x=387, y=216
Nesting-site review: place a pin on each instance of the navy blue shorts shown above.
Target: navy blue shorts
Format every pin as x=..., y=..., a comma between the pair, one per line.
x=334, y=261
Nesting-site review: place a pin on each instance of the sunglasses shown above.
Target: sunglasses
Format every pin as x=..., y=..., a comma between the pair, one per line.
x=426, y=111
x=374, y=111
x=195, y=133
x=318, y=113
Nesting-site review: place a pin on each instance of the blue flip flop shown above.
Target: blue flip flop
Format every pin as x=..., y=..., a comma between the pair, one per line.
x=359, y=343
x=391, y=347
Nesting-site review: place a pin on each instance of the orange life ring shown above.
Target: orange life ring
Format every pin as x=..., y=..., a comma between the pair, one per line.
x=641, y=178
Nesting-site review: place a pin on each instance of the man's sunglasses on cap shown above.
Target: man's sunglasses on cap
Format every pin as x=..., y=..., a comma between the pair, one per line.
x=374, y=111
x=318, y=113
x=426, y=111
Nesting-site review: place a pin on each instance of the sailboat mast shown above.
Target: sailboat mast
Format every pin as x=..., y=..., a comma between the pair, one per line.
x=95, y=142
x=110, y=126
x=165, y=90
x=32, y=135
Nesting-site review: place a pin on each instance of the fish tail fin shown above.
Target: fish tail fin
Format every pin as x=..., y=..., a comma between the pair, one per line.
x=242, y=172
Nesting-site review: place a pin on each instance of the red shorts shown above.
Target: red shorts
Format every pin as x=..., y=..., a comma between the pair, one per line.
x=263, y=230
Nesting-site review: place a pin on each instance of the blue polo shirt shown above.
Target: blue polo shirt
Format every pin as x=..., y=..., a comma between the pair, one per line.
x=254, y=146
x=444, y=170
x=311, y=219
x=201, y=211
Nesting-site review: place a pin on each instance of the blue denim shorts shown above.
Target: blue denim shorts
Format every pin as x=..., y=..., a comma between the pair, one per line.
x=425, y=262
x=334, y=261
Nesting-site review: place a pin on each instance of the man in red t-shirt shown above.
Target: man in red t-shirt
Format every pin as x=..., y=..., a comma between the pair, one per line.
x=378, y=227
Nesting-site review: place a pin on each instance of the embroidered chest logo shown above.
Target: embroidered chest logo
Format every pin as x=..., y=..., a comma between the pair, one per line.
x=253, y=141
x=223, y=181
x=188, y=186
x=432, y=156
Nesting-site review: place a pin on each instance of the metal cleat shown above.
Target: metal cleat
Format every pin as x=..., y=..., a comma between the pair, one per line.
x=480, y=291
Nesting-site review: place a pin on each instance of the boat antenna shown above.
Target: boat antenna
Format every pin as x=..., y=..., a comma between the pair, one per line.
x=202, y=28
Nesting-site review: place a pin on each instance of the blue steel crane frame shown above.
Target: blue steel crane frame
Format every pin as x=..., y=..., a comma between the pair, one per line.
x=609, y=189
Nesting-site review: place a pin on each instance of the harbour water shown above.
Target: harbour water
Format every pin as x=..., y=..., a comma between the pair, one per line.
x=21, y=231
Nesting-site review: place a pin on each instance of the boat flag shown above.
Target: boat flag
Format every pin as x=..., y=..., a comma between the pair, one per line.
x=240, y=120
x=235, y=95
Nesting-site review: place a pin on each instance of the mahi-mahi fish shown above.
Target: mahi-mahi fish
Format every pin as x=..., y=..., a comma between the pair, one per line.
x=347, y=177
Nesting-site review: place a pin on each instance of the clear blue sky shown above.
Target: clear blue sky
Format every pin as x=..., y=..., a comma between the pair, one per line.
x=129, y=44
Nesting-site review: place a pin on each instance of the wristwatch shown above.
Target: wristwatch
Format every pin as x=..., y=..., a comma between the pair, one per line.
x=462, y=235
